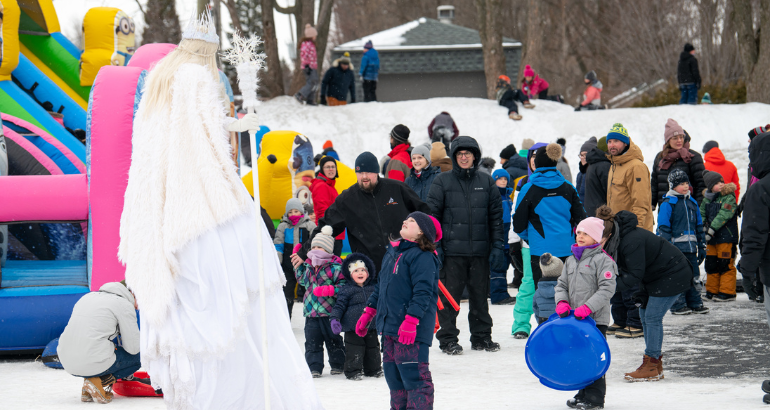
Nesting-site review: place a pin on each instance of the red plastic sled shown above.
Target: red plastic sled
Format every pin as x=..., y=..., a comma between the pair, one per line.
x=135, y=389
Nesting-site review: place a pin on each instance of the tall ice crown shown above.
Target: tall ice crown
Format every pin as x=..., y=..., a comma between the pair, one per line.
x=201, y=28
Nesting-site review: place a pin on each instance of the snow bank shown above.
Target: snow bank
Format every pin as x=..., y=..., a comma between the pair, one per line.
x=366, y=126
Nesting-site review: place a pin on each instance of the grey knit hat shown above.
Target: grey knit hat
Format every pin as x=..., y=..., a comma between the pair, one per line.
x=551, y=266
x=590, y=144
x=712, y=178
x=324, y=239
x=422, y=150
x=294, y=203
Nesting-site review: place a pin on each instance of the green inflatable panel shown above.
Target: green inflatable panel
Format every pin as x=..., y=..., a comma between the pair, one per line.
x=58, y=59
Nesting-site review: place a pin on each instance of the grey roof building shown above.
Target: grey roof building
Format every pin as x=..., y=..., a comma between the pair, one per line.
x=428, y=58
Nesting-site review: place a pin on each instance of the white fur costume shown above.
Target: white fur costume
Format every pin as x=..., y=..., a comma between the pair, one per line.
x=188, y=240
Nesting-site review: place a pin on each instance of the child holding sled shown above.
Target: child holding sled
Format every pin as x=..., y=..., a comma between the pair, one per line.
x=321, y=275
x=404, y=307
x=587, y=282
x=362, y=354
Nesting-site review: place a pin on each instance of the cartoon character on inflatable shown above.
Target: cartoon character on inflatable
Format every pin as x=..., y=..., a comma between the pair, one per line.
x=109, y=40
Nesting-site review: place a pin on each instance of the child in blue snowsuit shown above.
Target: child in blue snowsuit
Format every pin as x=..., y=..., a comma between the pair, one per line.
x=362, y=354
x=679, y=222
x=404, y=304
x=498, y=285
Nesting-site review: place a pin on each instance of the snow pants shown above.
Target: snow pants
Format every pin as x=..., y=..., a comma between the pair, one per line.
x=498, y=282
x=362, y=354
x=318, y=331
x=720, y=268
x=311, y=85
x=457, y=272
x=370, y=90
x=291, y=280
x=624, y=311
x=594, y=393
x=407, y=374
x=519, y=96
x=691, y=297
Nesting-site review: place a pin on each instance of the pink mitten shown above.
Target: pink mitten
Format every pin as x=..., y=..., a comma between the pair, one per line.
x=407, y=332
x=562, y=309
x=324, y=291
x=582, y=312
x=362, y=326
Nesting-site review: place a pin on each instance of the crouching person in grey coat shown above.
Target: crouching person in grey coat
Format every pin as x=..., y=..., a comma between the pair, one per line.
x=101, y=341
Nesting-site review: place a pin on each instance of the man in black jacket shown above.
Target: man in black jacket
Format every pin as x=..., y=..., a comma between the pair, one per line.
x=371, y=210
x=688, y=75
x=337, y=81
x=469, y=207
x=596, y=177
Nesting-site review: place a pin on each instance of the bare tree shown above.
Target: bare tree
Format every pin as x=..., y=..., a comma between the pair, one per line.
x=754, y=47
x=274, y=76
x=491, y=33
x=161, y=23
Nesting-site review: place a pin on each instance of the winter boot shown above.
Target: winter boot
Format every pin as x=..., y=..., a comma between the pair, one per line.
x=93, y=386
x=335, y=372
x=724, y=297
x=766, y=399
x=507, y=301
x=682, y=311
x=589, y=406
x=766, y=386
x=452, y=349
x=648, y=371
x=529, y=105
x=660, y=367
x=486, y=344
x=514, y=116
x=84, y=396
x=316, y=374
x=356, y=376
x=573, y=403
x=701, y=310
x=629, y=333
x=613, y=328
x=520, y=335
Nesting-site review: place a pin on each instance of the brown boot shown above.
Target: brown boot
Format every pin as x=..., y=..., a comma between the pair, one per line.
x=648, y=371
x=514, y=116
x=93, y=386
x=660, y=367
x=84, y=396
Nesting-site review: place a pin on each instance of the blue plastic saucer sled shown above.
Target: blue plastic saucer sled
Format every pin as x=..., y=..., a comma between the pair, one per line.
x=567, y=354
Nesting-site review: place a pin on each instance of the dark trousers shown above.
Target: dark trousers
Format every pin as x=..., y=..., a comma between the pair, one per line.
x=691, y=297
x=337, y=250
x=624, y=310
x=457, y=272
x=407, y=374
x=318, y=331
x=362, y=353
x=594, y=393
x=291, y=281
x=498, y=282
x=125, y=365
x=370, y=90
x=689, y=94
x=518, y=96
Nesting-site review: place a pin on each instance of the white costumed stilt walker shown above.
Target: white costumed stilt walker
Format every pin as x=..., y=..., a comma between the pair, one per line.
x=208, y=285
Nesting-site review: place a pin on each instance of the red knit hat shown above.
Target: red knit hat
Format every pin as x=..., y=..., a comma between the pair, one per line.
x=528, y=71
x=505, y=78
x=328, y=144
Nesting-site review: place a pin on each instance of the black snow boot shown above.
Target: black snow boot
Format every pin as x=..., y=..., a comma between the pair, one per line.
x=452, y=349
x=766, y=386
x=486, y=344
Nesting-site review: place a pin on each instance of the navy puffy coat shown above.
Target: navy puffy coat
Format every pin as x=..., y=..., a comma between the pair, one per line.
x=352, y=298
x=421, y=185
x=544, y=301
x=679, y=222
x=407, y=285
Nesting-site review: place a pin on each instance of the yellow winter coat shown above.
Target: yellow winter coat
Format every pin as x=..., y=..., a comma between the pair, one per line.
x=628, y=186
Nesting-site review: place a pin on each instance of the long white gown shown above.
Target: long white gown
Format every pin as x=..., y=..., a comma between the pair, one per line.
x=208, y=354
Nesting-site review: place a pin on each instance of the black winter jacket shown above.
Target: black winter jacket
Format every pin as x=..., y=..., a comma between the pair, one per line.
x=468, y=205
x=337, y=82
x=687, y=69
x=596, y=180
x=352, y=298
x=645, y=258
x=694, y=171
x=421, y=185
x=516, y=167
x=755, y=241
x=370, y=217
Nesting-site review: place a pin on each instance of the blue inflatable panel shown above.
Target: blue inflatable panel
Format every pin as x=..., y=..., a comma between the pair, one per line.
x=29, y=77
x=31, y=322
x=20, y=274
x=50, y=356
x=64, y=42
x=567, y=354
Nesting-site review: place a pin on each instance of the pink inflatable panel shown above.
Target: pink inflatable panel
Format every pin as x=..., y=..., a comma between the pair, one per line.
x=46, y=162
x=48, y=138
x=112, y=113
x=148, y=54
x=44, y=198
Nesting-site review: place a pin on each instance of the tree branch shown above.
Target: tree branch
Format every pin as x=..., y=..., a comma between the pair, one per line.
x=285, y=10
x=140, y=7
x=230, y=4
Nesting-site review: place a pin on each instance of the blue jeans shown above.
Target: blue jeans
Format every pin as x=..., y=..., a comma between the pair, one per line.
x=652, y=322
x=689, y=94
x=498, y=283
x=691, y=297
x=125, y=365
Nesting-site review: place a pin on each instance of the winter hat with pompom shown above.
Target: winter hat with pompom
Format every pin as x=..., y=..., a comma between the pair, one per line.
x=602, y=144
x=677, y=177
x=310, y=31
x=527, y=143
x=758, y=130
x=712, y=178
x=528, y=71
x=550, y=265
x=620, y=133
x=324, y=239
x=548, y=156
x=429, y=225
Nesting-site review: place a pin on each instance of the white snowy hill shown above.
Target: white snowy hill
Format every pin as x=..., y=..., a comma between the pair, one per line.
x=366, y=126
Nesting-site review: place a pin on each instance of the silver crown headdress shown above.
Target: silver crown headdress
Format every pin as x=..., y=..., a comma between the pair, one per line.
x=201, y=28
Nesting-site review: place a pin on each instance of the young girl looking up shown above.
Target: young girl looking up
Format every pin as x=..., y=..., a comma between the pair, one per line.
x=404, y=304
x=588, y=283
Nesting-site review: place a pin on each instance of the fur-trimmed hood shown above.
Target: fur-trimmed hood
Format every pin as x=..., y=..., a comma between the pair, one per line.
x=369, y=267
x=728, y=189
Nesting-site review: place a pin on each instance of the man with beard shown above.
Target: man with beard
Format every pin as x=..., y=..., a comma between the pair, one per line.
x=371, y=210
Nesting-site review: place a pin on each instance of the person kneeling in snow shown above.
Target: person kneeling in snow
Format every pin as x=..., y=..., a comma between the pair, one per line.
x=101, y=341
x=507, y=97
x=592, y=96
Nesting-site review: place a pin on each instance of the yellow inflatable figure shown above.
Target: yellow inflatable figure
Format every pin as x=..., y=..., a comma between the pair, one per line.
x=285, y=164
x=109, y=40
x=346, y=177
x=10, y=38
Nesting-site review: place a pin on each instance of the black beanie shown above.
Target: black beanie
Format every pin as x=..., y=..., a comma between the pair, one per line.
x=676, y=178
x=688, y=47
x=707, y=146
x=712, y=178
x=400, y=133
x=508, y=152
x=756, y=131
x=367, y=162
x=323, y=161
x=547, y=156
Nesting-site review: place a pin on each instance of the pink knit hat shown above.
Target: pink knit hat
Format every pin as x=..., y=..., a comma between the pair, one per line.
x=593, y=227
x=672, y=128
x=528, y=71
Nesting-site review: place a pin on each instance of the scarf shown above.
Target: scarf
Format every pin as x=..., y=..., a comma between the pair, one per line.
x=295, y=218
x=319, y=257
x=674, y=155
x=578, y=250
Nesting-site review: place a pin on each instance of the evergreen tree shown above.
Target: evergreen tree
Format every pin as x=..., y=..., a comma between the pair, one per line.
x=162, y=23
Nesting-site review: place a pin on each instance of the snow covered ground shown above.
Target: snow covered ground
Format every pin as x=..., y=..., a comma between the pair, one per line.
x=480, y=380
